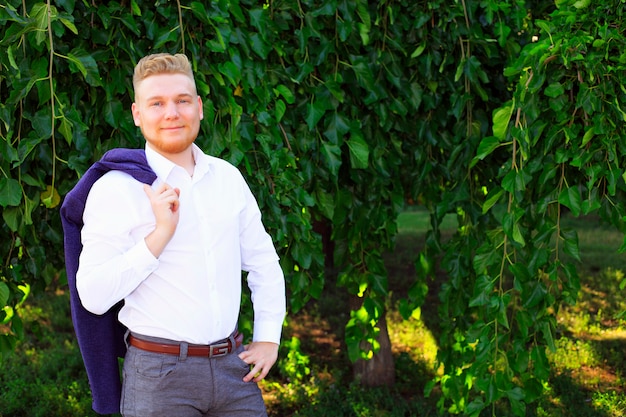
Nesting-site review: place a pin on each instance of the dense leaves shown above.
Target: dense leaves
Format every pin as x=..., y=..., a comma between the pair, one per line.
x=556, y=145
x=339, y=112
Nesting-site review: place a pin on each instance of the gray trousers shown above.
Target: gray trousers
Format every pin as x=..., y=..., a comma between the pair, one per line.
x=162, y=385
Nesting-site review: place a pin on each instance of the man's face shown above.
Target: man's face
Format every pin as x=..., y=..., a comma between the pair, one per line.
x=168, y=111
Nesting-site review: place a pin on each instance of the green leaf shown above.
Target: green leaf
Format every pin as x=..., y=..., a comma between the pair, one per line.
x=315, y=111
x=260, y=46
x=280, y=110
x=29, y=206
x=359, y=151
x=543, y=25
x=582, y=4
x=366, y=25
x=199, y=11
x=231, y=71
x=492, y=198
x=511, y=226
x=483, y=288
x=114, y=112
x=50, y=197
x=503, y=309
x=10, y=192
x=70, y=25
x=337, y=127
x=570, y=243
x=535, y=294
x=335, y=89
x=363, y=72
x=501, y=118
x=259, y=20
x=12, y=216
x=66, y=129
x=554, y=90
x=17, y=326
x=135, y=7
x=332, y=155
x=418, y=51
x=516, y=398
x=326, y=203
x=87, y=66
x=571, y=198
x=39, y=16
x=4, y=294
x=475, y=407
x=487, y=145
x=285, y=92
x=588, y=135
x=517, y=234
x=619, y=109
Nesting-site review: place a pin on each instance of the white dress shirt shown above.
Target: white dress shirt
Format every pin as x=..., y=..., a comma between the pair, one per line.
x=192, y=292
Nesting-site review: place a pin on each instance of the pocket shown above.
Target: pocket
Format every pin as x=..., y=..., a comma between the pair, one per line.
x=155, y=365
x=238, y=362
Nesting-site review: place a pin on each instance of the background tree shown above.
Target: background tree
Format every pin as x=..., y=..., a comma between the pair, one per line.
x=555, y=145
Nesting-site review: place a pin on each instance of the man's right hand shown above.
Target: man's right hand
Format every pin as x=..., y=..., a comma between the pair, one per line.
x=165, y=203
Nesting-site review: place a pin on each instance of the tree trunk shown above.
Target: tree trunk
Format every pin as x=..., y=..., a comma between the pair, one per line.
x=325, y=228
x=380, y=370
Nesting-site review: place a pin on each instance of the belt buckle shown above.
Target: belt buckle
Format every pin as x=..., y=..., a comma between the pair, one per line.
x=219, y=349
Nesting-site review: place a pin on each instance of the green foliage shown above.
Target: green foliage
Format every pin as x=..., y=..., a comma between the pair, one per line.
x=66, y=99
x=288, y=110
x=45, y=376
x=295, y=365
x=556, y=146
x=337, y=112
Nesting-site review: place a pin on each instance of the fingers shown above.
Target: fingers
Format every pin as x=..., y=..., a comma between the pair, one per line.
x=261, y=356
x=163, y=194
x=165, y=203
x=258, y=371
x=256, y=374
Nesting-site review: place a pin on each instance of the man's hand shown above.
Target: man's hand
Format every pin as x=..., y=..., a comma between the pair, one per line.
x=165, y=204
x=262, y=356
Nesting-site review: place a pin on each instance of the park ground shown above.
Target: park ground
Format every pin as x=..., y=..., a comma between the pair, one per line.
x=44, y=376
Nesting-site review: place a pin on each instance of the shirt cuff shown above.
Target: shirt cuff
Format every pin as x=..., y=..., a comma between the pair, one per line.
x=267, y=332
x=143, y=260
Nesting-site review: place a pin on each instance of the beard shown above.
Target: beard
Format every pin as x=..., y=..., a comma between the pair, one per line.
x=173, y=144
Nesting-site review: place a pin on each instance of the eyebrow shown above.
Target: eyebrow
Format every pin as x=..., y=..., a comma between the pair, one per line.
x=152, y=98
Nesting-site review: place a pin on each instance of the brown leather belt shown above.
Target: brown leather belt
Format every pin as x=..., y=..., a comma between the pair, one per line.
x=213, y=350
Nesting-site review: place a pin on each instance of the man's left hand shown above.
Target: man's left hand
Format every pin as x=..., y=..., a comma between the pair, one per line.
x=261, y=356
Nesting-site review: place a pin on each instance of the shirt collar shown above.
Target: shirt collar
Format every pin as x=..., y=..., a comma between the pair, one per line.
x=163, y=166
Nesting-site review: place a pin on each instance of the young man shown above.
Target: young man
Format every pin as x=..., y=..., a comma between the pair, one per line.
x=173, y=251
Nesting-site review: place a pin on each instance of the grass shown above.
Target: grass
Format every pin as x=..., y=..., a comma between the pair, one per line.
x=45, y=377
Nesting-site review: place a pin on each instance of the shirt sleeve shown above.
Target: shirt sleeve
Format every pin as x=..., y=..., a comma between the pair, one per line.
x=267, y=285
x=113, y=261
x=265, y=276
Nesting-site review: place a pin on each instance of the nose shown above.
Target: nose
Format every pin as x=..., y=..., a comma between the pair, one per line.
x=171, y=110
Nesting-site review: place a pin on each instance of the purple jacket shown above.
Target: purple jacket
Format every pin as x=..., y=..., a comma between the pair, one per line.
x=100, y=338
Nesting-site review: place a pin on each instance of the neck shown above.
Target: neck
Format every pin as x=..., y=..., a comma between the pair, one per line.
x=184, y=159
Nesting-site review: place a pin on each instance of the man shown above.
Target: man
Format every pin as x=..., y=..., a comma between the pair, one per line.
x=173, y=251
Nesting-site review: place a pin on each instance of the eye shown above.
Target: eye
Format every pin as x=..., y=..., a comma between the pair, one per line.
x=155, y=104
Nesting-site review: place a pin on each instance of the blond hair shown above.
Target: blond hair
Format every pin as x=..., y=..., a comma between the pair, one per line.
x=161, y=64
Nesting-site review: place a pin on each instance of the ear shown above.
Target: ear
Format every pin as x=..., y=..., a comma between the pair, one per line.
x=200, y=109
x=135, y=111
